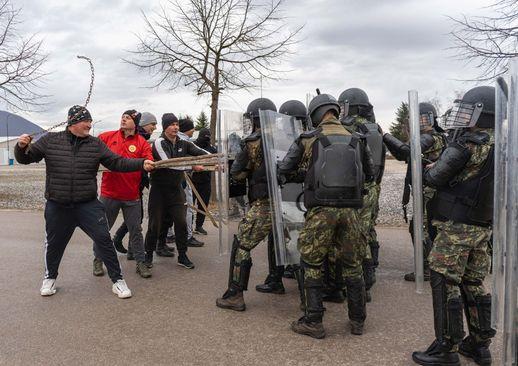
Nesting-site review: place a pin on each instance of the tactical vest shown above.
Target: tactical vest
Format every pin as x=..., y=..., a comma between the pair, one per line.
x=257, y=181
x=335, y=177
x=375, y=142
x=470, y=201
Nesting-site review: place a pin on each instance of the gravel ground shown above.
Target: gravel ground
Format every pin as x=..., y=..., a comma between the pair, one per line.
x=22, y=187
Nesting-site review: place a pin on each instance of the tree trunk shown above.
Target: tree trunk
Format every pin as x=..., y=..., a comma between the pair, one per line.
x=213, y=120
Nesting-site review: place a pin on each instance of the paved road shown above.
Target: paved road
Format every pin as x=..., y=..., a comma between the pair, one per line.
x=172, y=318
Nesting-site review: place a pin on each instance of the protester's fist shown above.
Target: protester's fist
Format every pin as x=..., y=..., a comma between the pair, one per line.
x=24, y=140
x=198, y=168
x=149, y=165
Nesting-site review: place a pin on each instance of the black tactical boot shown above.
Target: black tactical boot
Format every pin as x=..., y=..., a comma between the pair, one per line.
x=448, y=326
x=289, y=272
x=238, y=276
x=356, y=304
x=271, y=285
x=311, y=323
x=299, y=276
x=273, y=282
x=477, y=351
x=478, y=314
x=437, y=355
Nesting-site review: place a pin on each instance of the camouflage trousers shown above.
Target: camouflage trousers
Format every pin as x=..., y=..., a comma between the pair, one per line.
x=253, y=228
x=460, y=252
x=367, y=216
x=328, y=228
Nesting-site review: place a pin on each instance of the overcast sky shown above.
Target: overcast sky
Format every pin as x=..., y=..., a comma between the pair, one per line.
x=383, y=47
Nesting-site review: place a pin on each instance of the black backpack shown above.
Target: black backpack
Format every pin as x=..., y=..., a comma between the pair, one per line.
x=335, y=177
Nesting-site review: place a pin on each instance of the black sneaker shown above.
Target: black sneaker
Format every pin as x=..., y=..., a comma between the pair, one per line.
x=200, y=230
x=193, y=242
x=163, y=252
x=184, y=261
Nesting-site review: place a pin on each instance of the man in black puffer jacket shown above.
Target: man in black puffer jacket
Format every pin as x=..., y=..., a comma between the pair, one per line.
x=72, y=160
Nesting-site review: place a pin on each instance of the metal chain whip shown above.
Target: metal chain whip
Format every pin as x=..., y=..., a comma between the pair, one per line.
x=92, y=79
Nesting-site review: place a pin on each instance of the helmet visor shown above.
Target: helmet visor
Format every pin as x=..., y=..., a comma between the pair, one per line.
x=462, y=115
x=344, y=109
x=426, y=120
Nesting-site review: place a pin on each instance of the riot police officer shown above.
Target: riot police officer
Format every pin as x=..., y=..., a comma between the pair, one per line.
x=357, y=115
x=256, y=225
x=433, y=142
x=273, y=282
x=463, y=210
x=329, y=159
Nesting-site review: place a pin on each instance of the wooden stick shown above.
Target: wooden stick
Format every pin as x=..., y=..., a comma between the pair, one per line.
x=198, y=210
x=209, y=215
x=189, y=158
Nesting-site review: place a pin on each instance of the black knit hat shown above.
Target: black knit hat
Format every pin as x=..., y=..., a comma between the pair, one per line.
x=168, y=119
x=186, y=125
x=135, y=116
x=78, y=114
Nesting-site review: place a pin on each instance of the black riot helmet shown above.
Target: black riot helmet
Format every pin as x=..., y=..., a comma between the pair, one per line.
x=252, y=112
x=427, y=115
x=357, y=101
x=295, y=108
x=320, y=105
x=476, y=108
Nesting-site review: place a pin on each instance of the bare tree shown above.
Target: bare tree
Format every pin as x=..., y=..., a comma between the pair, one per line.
x=213, y=46
x=488, y=42
x=21, y=61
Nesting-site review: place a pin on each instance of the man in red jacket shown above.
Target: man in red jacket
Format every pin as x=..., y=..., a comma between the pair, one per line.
x=120, y=191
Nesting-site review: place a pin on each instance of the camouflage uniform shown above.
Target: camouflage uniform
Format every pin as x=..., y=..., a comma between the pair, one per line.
x=254, y=227
x=327, y=231
x=368, y=215
x=460, y=251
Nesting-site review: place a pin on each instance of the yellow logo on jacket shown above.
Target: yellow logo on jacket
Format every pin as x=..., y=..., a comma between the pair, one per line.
x=132, y=148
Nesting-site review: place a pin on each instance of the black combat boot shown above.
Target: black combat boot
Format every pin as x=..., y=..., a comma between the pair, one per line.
x=447, y=316
x=311, y=323
x=477, y=351
x=298, y=272
x=356, y=304
x=289, y=272
x=273, y=282
x=478, y=314
x=239, y=275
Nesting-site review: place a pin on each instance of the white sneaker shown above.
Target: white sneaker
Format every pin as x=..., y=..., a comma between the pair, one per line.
x=120, y=289
x=48, y=287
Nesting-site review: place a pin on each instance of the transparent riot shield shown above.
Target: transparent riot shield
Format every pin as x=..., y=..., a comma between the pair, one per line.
x=500, y=209
x=510, y=317
x=417, y=187
x=231, y=195
x=278, y=132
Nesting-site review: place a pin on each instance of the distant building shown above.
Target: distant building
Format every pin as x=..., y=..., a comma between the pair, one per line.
x=11, y=127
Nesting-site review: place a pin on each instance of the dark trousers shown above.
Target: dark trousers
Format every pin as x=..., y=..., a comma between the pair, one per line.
x=165, y=210
x=123, y=229
x=131, y=211
x=204, y=191
x=60, y=223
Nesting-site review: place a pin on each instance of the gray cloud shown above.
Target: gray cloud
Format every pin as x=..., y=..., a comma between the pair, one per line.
x=384, y=47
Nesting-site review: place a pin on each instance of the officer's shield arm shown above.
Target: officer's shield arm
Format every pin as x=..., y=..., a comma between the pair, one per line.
x=287, y=168
x=449, y=164
x=239, y=170
x=397, y=148
x=369, y=169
